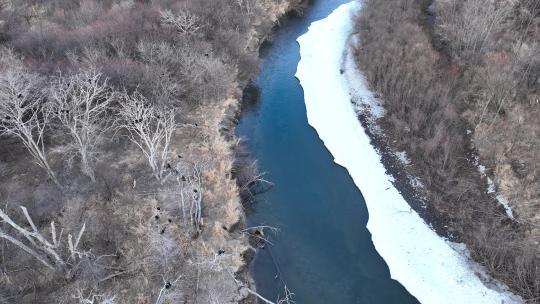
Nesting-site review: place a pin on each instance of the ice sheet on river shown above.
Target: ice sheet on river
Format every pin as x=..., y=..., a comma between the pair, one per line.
x=426, y=264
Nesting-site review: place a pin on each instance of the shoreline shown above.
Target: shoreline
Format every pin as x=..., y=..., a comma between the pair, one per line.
x=402, y=180
x=432, y=270
x=226, y=129
x=395, y=167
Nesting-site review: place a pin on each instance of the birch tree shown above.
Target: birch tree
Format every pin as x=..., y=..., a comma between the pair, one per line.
x=80, y=102
x=189, y=176
x=149, y=128
x=196, y=182
x=23, y=115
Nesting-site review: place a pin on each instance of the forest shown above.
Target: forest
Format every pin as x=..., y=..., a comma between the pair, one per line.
x=459, y=81
x=117, y=173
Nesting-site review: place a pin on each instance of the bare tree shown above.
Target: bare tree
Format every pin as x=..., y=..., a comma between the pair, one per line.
x=149, y=128
x=251, y=180
x=468, y=25
x=190, y=181
x=93, y=298
x=182, y=179
x=79, y=102
x=167, y=285
x=246, y=6
x=184, y=21
x=164, y=62
x=197, y=196
x=202, y=76
x=49, y=253
x=287, y=297
x=22, y=113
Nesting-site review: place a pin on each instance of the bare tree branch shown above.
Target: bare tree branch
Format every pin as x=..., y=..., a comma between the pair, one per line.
x=184, y=21
x=468, y=25
x=79, y=102
x=22, y=113
x=27, y=249
x=149, y=128
x=44, y=251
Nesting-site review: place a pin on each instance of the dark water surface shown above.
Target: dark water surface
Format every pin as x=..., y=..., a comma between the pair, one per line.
x=323, y=251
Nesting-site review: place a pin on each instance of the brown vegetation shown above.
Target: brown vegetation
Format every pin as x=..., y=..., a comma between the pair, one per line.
x=459, y=81
x=134, y=94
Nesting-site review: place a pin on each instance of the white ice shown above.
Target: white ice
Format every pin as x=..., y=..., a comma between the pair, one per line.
x=426, y=264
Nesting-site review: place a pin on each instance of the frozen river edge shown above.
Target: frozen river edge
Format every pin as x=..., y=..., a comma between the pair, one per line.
x=424, y=263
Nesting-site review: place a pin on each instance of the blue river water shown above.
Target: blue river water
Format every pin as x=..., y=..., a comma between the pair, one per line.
x=323, y=251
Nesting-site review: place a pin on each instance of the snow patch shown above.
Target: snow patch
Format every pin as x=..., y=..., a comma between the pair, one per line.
x=363, y=100
x=505, y=203
x=416, y=182
x=423, y=262
x=402, y=156
x=491, y=189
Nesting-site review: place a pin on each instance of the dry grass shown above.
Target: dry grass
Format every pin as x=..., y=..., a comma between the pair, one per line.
x=141, y=226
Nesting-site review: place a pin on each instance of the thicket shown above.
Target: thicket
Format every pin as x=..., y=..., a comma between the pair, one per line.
x=91, y=83
x=452, y=76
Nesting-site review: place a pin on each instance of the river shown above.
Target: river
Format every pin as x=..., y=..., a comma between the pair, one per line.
x=323, y=251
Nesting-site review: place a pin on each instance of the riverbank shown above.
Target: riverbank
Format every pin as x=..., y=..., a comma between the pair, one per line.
x=464, y=118
x=225, y=126
x=427, y=265
x=142, y=240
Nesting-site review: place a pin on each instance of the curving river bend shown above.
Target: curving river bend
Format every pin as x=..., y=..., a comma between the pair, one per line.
x=323, y=251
